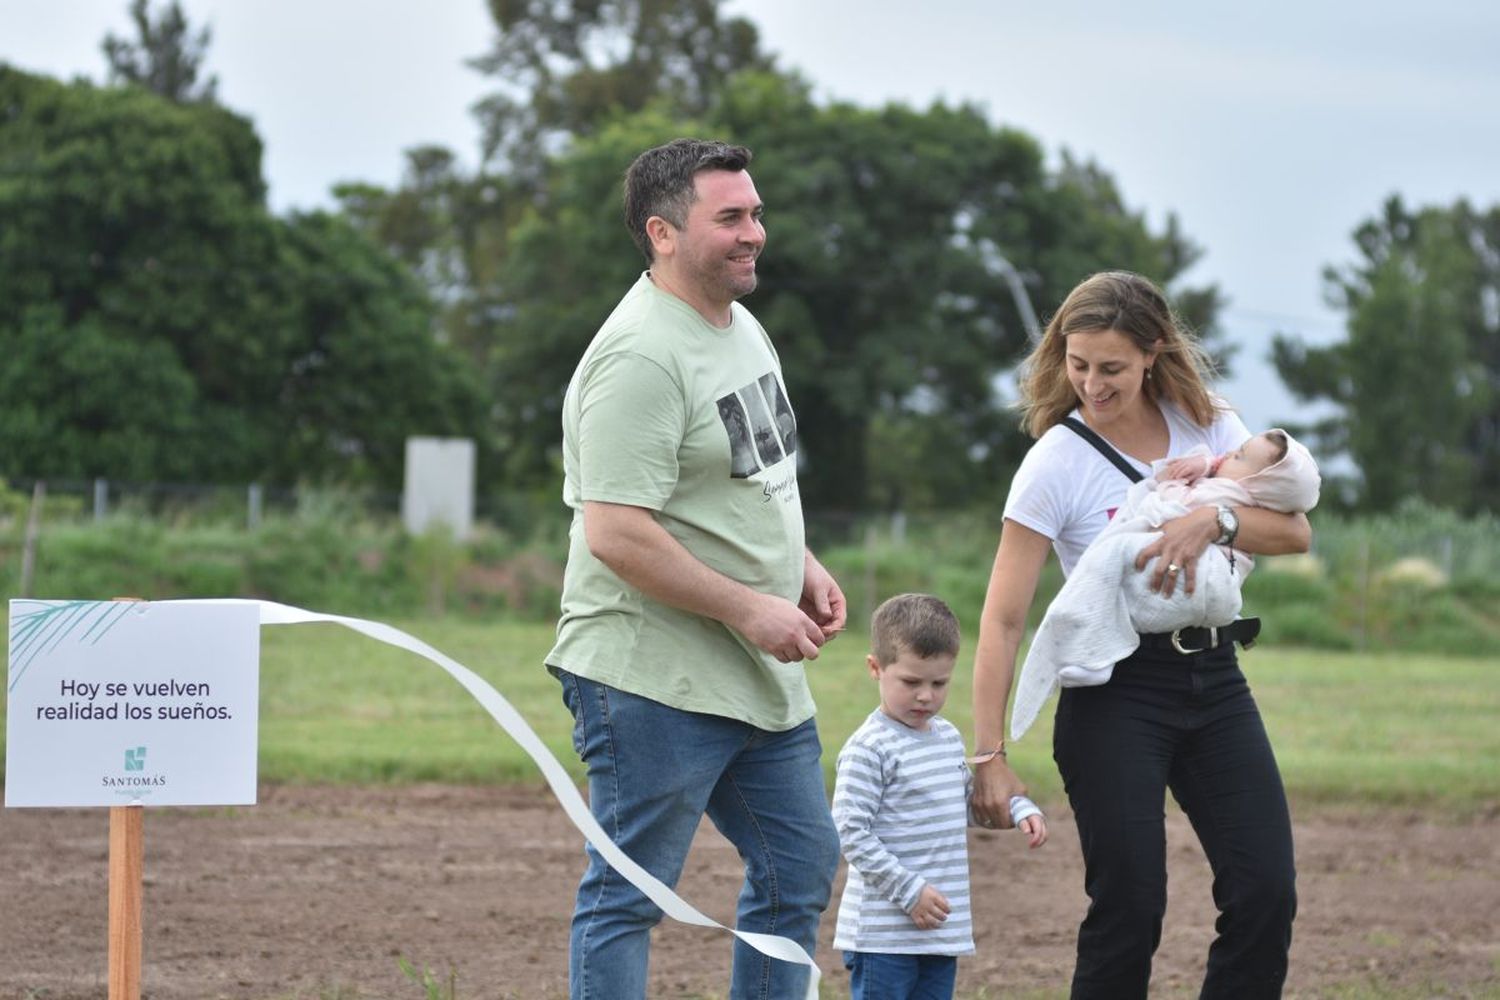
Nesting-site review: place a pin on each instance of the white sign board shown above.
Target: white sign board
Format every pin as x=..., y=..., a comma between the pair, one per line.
x=439, y=485
x=114, y=703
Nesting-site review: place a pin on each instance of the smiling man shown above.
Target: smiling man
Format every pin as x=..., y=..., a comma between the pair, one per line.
x=690, y=599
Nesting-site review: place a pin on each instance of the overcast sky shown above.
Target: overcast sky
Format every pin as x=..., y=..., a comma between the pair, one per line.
x=1270, y=129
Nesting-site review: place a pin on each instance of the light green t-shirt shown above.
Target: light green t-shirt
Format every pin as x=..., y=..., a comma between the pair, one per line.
x=669, y=413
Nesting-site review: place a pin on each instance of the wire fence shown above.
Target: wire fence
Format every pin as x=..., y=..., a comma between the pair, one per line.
x=248, y=505
x=1452, y=545
x=1365, y=572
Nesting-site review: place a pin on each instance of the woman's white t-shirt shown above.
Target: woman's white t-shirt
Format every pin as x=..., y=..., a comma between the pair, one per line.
x=1067, y=491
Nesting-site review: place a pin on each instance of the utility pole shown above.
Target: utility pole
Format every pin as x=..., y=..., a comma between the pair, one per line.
x=1012, y=277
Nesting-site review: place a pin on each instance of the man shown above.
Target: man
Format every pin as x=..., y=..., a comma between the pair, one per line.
x=690, y=599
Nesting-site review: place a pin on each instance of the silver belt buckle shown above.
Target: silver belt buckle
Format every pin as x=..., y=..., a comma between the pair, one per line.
x=1213, y=641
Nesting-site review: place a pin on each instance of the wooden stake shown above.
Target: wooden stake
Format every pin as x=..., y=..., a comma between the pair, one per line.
x=126, y=863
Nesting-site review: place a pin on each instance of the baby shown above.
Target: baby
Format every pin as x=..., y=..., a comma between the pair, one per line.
x=1099, y=614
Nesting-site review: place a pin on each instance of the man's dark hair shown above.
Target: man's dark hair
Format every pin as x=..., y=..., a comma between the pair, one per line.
x=660, y=182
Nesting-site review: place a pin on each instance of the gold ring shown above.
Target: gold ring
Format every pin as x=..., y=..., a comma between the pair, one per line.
x=1173, y=568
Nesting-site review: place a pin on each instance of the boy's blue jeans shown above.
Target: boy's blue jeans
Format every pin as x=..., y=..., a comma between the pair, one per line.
x=654, y=772
x=878, y=976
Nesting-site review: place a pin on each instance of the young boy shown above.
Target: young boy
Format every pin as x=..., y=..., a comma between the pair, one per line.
x=901, y=805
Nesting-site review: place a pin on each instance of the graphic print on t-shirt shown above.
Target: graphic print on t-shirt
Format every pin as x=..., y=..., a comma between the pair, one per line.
x=742, y=462
x=762, y=430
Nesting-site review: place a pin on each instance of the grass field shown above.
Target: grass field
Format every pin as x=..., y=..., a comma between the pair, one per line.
x=1348, y=728
x=1356, y=731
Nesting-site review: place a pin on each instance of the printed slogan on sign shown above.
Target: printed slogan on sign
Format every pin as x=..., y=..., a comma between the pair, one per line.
x=82, y=701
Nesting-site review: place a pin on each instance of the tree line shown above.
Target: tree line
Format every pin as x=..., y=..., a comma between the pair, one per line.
x=159, y=322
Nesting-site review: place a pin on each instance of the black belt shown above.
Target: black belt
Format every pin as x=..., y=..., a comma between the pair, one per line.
x=1200, y=639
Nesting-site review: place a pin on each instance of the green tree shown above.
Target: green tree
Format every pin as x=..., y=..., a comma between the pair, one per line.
x=366, y=371
x=561, y=70
x=884, y=285
x=566, y=67
x=879, y=284
x=1417, y=380
x=166, y=57
x=80, y=402
x=450, y=229
x=157, y=322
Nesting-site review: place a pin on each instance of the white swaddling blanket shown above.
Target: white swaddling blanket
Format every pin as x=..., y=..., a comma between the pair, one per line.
x=1097, y=617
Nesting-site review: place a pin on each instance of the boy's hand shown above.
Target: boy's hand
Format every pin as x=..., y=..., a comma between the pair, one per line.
x=1035, y=828
x=931, y=909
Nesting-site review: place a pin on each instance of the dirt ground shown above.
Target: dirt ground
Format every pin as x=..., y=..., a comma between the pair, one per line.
x=316, y=892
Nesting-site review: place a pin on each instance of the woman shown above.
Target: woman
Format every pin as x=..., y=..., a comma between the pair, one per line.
x=1115, y=358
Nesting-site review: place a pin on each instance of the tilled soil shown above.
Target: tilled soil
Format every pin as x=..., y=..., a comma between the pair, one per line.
x=316, y=893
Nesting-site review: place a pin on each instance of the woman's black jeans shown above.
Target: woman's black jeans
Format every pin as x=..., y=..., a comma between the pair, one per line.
x=1188, y=723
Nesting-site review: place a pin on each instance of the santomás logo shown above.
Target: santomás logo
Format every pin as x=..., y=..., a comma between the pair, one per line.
x=135, y=781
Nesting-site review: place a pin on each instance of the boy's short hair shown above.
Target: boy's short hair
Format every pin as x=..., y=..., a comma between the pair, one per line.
x=917, y=623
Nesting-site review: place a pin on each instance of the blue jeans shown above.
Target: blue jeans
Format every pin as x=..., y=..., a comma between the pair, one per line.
x=878, y=976
x=654, y=772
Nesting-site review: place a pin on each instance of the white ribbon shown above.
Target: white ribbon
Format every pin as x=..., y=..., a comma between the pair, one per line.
x=577, y=810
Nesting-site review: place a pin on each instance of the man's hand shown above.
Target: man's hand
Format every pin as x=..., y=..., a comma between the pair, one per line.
x=822, y=600
x=931, y=909
x=780, y=628
x=631, y=542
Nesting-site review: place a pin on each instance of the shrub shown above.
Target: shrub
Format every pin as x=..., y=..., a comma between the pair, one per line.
x=331, y=553
x=1301, y=625
x=1269, y=587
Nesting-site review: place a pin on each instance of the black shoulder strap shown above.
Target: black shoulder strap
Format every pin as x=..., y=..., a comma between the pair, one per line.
x=1116, y=459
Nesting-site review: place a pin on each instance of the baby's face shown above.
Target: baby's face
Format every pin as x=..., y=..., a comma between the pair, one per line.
x=1255, y=455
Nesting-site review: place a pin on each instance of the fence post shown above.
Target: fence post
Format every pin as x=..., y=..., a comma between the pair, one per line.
x=33, y=529
x=101, y=498
x=1363, y=576
x=253, y=501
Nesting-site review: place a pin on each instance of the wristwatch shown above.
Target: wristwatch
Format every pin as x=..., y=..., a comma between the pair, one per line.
x=1229, y=525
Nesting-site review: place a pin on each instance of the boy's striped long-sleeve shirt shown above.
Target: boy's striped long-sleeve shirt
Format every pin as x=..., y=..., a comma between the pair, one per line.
x=901, y=805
